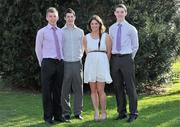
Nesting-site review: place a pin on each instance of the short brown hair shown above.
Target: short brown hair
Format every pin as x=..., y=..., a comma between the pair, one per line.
x=69, y=10
x=99, y=20
x=51, y=10
x=121, y=6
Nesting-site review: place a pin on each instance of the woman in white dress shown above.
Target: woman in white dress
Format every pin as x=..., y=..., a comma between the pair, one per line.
x=96, y=71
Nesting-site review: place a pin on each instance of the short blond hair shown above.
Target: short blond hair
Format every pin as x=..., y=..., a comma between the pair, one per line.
x=51, y=10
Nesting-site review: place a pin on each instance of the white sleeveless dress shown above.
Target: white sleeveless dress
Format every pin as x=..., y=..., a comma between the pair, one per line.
x=96, y=66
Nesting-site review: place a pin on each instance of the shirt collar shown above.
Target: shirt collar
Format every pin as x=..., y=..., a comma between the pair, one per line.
x=66, y=27
x=50, y=26
x=122, y=23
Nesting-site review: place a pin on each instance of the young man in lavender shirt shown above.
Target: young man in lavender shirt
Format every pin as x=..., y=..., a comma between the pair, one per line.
x=49, y=53
x=124, y=47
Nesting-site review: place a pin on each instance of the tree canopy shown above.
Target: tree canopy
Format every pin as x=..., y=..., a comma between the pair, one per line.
x=157, y=22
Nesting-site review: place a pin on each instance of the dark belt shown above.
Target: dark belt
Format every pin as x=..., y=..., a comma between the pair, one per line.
x=98, y=51
x=120, y=55
x=53, y=60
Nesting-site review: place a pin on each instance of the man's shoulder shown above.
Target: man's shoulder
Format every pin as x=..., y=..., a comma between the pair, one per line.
x=130, y=26
x=113, y=25
x=41, y=30
x=59, y=29
x=79, y=29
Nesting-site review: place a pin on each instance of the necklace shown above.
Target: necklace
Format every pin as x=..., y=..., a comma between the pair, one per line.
x=94, y=36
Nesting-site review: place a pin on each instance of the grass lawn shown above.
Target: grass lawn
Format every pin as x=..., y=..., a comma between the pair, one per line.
x=22, y=109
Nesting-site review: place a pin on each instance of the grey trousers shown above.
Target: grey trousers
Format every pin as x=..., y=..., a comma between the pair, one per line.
x=123, y=75
x=72, y=83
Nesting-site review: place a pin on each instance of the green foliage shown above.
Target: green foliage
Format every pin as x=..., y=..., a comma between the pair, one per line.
x=157, y=23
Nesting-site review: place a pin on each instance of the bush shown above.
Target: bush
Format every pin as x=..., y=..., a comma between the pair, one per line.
x=156, y=21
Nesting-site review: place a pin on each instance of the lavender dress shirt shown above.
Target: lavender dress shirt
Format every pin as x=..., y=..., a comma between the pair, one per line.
x=129, y=38
x=45, y=43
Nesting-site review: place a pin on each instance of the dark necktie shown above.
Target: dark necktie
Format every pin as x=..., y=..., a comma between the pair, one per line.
x=56, y=43
x=118, y=38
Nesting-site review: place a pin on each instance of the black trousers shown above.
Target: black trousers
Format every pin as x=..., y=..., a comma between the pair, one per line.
x=123, y=75
x=52, y=71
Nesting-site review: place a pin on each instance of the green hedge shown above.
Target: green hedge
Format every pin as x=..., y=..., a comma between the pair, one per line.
x=156, y=21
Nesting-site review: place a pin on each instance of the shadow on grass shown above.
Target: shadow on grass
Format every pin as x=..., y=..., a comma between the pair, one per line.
x=173, y=93
x=165, y=113
x=16, y=110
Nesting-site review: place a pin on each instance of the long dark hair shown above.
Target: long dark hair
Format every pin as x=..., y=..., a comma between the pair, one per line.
x=102, y=28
